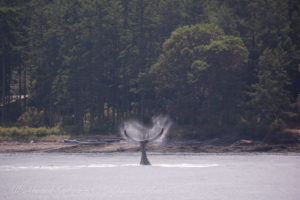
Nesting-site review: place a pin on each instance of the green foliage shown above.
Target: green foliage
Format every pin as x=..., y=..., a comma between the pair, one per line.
x=26, y=133
x=270, y=99
x=89, y=64
x=32, y=118
x=198, y=69
x=74, y=130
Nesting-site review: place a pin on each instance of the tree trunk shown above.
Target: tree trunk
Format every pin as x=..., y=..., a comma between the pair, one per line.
x=113, y=115
x=92, y=120
x=107, y=113
x=3, y=86
x=125, y=14
x=20, y=81
x=25, y=88
x=100, y=114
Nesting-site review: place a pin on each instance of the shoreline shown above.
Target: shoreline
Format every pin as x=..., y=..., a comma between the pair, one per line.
x=191, y=146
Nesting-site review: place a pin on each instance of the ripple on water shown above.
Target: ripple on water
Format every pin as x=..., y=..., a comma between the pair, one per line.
x=70, y=167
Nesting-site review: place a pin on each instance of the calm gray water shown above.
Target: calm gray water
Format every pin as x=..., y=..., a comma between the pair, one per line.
x=171, y=177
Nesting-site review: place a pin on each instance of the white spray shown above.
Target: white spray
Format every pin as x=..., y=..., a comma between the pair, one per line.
x=139, y=132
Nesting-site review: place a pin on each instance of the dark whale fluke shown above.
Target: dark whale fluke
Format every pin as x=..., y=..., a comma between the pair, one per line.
x=143, y=143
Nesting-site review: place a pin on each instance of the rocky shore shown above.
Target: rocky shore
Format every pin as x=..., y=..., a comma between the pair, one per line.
x=119, y=145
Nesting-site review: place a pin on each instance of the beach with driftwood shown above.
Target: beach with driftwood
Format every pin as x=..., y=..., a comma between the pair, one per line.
x=217, y=145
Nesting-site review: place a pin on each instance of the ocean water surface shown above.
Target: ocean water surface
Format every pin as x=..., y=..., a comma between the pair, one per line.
x=244, y=176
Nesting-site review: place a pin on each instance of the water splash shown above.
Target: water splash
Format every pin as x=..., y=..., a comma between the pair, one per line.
x=139, y=132
x=135, y=132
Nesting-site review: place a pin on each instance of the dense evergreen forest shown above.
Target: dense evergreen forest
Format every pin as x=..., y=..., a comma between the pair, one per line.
x=219, y=66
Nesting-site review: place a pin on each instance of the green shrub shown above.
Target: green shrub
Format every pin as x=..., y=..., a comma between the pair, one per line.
x=104, y=128
x=73, y=129
x=251, y=129
x=28, y=133
x=32, y=118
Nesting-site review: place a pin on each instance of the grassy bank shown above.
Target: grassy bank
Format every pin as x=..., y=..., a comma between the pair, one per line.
x=26, y=133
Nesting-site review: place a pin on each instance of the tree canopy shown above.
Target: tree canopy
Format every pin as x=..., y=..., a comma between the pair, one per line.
x=216, y=65
x=199, y=71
